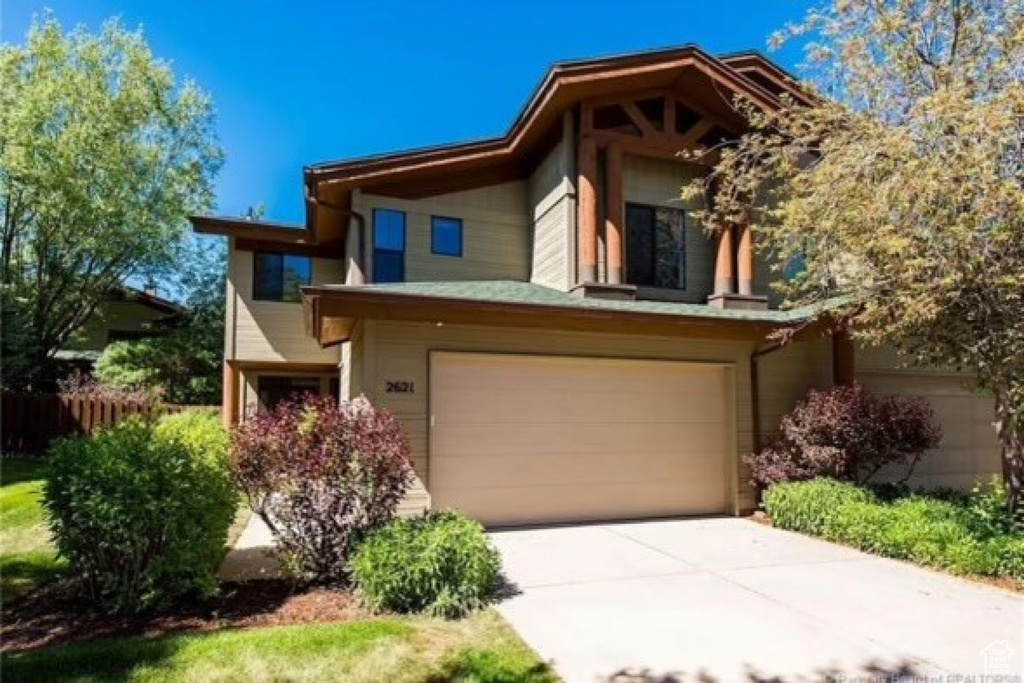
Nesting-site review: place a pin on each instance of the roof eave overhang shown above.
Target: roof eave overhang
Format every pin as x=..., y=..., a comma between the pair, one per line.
x=359, y=171
x=331, y=316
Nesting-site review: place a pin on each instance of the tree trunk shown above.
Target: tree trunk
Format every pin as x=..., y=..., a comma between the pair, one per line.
x=1011, y=441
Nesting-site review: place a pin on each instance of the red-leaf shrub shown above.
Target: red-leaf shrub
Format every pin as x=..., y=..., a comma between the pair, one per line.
x=847, y=432
x=321, y=474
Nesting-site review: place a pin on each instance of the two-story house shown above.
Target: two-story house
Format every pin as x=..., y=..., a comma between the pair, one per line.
x=560, y=338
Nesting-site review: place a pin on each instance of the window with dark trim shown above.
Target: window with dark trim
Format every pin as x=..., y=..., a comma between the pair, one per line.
x=388, y=245
x=445, y=236
x=655, y=246
x=278, y=277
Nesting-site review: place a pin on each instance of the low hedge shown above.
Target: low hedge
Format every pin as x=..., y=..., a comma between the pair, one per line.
x=440, y=564
x=960, y=534
x=141, y=511
x=808, y=506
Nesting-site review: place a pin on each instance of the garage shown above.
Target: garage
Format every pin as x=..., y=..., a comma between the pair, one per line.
x=525, y=439
x=969, y=451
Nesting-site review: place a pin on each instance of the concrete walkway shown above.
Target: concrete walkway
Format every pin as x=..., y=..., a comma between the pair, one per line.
x=251, y=557
x=730, y=600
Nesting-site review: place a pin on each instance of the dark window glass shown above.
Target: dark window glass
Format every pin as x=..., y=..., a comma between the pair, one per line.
x=446, y=236
x=278, y=277
x=655, y=241
x=388, y=245
x=272, y=389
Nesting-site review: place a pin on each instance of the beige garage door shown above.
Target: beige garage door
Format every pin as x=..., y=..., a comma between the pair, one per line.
x=532, y=439
x=969, y=451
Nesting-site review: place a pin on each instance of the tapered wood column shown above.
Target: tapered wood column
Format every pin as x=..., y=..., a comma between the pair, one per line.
x=587, y=219
x=745, y=260
x=724, y=276
x=613, y=209
x=229, y=396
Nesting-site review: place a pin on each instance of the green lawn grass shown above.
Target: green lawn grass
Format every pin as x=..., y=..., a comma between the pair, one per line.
x=479, y=648
x=27, y=557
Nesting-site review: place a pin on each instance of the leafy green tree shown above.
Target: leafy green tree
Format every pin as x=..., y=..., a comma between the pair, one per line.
x=102, y=156
x=901, y=186
x=185, y=365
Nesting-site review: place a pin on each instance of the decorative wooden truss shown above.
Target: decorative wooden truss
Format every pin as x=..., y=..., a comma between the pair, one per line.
x=658, y=124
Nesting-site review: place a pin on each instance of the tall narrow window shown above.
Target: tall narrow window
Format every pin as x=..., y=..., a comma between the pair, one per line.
x=655, y=246
x=446, y=236
x=279, y=277
x=388, y=245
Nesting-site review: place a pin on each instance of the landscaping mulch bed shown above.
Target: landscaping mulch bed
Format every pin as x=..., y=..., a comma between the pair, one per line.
x=51, y=616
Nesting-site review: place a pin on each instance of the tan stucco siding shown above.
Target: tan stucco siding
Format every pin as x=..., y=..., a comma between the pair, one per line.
x=271, y=330
x=552, y=206
x=657, y=182
x=786, y=375
x=969, y=451
x=395, y=351
x=122, y=316
x=495, y=233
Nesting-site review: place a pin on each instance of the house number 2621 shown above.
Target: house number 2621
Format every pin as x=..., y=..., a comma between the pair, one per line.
x=391, y=387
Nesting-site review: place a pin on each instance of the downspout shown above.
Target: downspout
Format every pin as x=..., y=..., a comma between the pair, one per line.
x=360, y=219
x=755, y=400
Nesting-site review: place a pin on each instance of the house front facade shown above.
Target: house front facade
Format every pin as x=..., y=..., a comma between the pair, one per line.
x=560, y=338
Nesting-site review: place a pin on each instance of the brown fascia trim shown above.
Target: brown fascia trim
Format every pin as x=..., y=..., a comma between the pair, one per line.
x=559, y=76
x=321, y=303
x=244, y=228
x=281, y=366
x=752, y=60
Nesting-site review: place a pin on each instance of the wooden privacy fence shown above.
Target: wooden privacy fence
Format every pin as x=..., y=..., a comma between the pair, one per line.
x=31, y=421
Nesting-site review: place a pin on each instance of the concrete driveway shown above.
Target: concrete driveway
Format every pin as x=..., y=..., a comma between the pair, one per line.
x=727, y=599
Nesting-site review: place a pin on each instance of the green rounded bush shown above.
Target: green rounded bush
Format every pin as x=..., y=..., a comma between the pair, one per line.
x=141, y=511
x=441, y=564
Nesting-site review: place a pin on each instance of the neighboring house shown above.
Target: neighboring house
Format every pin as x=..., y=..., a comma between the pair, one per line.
x=560, y=338
x=124, y=315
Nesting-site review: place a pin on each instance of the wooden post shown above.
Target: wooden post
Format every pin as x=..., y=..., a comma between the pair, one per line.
x=723, y=262
x=614, y=213
x=745, y=260
x=587, y=223
x=229, y=398
x=844, y=362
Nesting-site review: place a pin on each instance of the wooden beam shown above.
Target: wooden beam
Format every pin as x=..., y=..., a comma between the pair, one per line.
x=229, y=396
x=613, y=208
x=284, y=366
x=699, y=130
x=666, y=147
x=638, y=118
x=587, y=219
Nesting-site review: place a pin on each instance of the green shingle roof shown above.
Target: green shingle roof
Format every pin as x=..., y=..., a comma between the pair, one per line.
x=527, y=293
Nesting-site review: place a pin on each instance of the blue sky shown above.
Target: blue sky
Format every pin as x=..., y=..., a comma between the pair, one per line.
x=298, y=82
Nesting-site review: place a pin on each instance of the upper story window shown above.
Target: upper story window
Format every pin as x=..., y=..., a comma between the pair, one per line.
x=446, y=236
x=655, y=246
x=388, y=245
x=278, y=277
